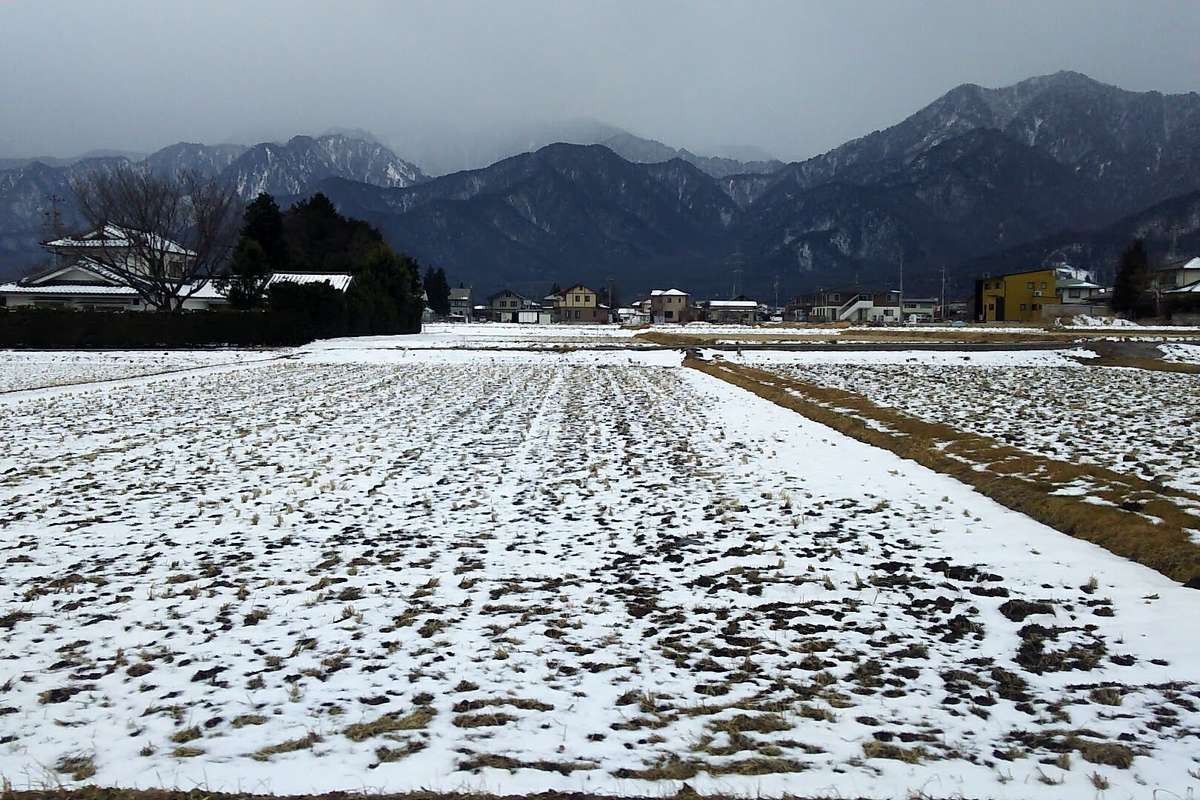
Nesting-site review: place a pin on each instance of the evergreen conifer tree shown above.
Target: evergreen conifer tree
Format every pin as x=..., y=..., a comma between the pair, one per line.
x=263, y=222
x=249, y=272
x=1133, y=279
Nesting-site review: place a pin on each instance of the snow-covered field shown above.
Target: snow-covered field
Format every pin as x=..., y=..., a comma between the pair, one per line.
x=1134, y=421
x=21, y=370
x=1178, y=352
x=375, y=569
x=496, y=335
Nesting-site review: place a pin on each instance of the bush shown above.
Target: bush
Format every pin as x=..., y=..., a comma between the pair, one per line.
x=321, y=307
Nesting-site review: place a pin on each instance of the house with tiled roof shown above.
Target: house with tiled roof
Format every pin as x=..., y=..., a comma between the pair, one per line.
x=79, y=281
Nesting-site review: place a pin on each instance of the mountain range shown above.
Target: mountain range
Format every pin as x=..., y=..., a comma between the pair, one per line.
x=1058, y=166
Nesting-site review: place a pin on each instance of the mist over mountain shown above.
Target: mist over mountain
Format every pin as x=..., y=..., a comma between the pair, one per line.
x=444, y=151
x=56, y=161
x=207, y=160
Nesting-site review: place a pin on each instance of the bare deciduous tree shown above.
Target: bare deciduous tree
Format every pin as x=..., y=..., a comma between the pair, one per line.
x=166, y=238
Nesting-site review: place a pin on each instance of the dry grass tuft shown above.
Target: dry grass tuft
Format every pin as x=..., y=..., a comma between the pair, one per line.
x=290, y=746
x=243, y=720
x=895, y=752
x=80, y=767
x=758, y=723
x=389, y=723
x=1108, y=753
x=482, y=720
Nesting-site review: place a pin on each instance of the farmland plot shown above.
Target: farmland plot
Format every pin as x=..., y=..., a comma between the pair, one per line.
x=25, y=370
x=1182, y=353
x=1139, y=422
x=515, y=575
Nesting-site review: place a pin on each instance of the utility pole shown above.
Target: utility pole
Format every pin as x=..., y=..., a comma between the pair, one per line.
x=942, y=307
x=901, y=288
x=776, y=307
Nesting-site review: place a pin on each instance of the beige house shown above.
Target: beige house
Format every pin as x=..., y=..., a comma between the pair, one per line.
x=506, y=305
x=580, y=303
x=671, y=305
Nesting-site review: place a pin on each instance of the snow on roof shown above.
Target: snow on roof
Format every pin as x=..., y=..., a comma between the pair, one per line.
x=1171, y=266
x=99, y=271
x=671, y=292
x=1187, y=288
x=338, y=280
x=56, y=290
x=117, y=236
x=1076, y=283
x=732, y=304
x=206, y=292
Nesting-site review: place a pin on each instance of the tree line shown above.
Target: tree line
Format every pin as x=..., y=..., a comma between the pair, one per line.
x=384, y=295
x=168, y=238
x=1134, y=294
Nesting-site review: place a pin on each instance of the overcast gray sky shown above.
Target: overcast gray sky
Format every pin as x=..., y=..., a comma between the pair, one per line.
x=791, y=76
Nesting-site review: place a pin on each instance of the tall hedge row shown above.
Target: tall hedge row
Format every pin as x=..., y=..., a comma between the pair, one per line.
x=60, y=328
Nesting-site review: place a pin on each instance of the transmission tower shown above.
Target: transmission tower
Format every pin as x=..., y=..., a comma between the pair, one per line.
x=736, y=264
x=52, y=224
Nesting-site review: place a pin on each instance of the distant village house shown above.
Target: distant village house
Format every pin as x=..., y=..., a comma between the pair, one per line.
x=741, y=312
x=1038, y=294
x=461, y=309
x=581, y=304
x=671, y=305
x=506, y=306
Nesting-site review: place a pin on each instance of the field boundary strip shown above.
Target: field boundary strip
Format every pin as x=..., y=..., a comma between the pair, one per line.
x=101, y=793
x=912, y=336
x=1122, y=522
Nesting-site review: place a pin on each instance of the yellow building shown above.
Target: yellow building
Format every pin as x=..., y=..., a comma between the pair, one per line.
x=1016, y=297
